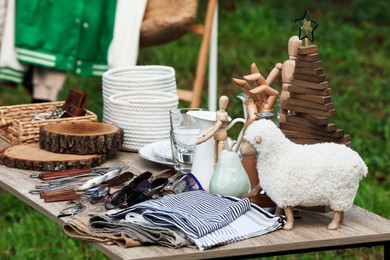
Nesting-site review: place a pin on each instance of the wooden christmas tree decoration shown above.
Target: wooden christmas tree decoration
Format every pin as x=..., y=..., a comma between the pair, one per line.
x=309, y=103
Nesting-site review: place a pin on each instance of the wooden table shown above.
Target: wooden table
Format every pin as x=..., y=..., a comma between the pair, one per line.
x=360, y=227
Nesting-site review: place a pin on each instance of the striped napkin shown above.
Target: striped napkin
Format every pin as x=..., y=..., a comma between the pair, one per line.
x=206, y=219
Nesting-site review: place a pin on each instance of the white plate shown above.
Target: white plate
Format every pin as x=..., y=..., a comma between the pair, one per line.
x=163, y=149
x=147, y=153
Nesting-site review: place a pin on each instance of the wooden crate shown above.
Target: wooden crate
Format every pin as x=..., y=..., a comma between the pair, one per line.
x=17, y=125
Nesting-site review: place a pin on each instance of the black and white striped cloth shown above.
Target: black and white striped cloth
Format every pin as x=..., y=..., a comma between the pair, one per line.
x=206, y=219
x=255, y=222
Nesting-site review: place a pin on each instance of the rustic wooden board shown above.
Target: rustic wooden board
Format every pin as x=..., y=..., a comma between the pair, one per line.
x=294, y=119
x=312, y=98
x=303, y=50
x=288, y=106
x=310, y=78
x=291, y=134
x=309, y=57
x=309, y=91
x=31, y=157
x=307, y=84
x=308, y=64
x=318, y=120
x=305, y=129
x=309, y=71
x=310, y=104
x=80, y=138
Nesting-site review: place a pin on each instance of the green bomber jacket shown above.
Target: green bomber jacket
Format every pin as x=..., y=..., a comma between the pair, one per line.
x=71, y=35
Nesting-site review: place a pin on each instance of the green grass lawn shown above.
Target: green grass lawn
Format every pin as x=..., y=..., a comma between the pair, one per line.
x=354, y=46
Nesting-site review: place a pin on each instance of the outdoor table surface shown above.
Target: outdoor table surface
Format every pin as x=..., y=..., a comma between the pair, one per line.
x=359, y=228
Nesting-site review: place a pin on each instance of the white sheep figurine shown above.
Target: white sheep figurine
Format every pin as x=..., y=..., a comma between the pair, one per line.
x=324, y=174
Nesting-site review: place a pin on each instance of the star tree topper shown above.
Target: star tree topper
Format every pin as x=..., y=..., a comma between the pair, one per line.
x=306, y=27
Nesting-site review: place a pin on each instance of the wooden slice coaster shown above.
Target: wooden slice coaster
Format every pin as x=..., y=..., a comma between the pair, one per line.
x=80, y=138
x=31, y=157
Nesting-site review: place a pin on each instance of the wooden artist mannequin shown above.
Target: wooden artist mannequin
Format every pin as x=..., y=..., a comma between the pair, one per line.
x=266, y=96
x=249, y=162
x=219, y=130
x=262, y=99
x=287, y=72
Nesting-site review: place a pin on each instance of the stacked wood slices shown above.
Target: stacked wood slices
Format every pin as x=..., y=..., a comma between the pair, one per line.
x=309, y=103
x=67, y=145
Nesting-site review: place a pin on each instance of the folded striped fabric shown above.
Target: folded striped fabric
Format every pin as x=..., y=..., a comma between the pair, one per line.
x=255, y=222
x=194, y=214
x=138, y=229
x=206, y=219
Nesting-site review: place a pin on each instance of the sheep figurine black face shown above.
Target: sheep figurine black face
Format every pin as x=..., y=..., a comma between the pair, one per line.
x=325, y=174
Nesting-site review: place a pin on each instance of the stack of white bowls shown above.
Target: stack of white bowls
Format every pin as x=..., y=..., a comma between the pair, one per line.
x=138, y=100
x=135, y=78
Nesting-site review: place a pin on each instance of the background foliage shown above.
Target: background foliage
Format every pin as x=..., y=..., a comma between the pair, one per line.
x=354, y=46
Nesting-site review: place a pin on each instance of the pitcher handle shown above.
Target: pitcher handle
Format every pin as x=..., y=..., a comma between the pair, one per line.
x=236, y=144
x=234, y=121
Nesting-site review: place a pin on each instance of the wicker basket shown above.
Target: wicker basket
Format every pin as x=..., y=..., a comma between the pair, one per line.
x=17, y=126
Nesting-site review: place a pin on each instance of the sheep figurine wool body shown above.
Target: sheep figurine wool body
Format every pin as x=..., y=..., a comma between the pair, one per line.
x=324, y=174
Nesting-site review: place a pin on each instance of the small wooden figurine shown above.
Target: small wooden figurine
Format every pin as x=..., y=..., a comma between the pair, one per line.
x=219, y=130
x=287, y=73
